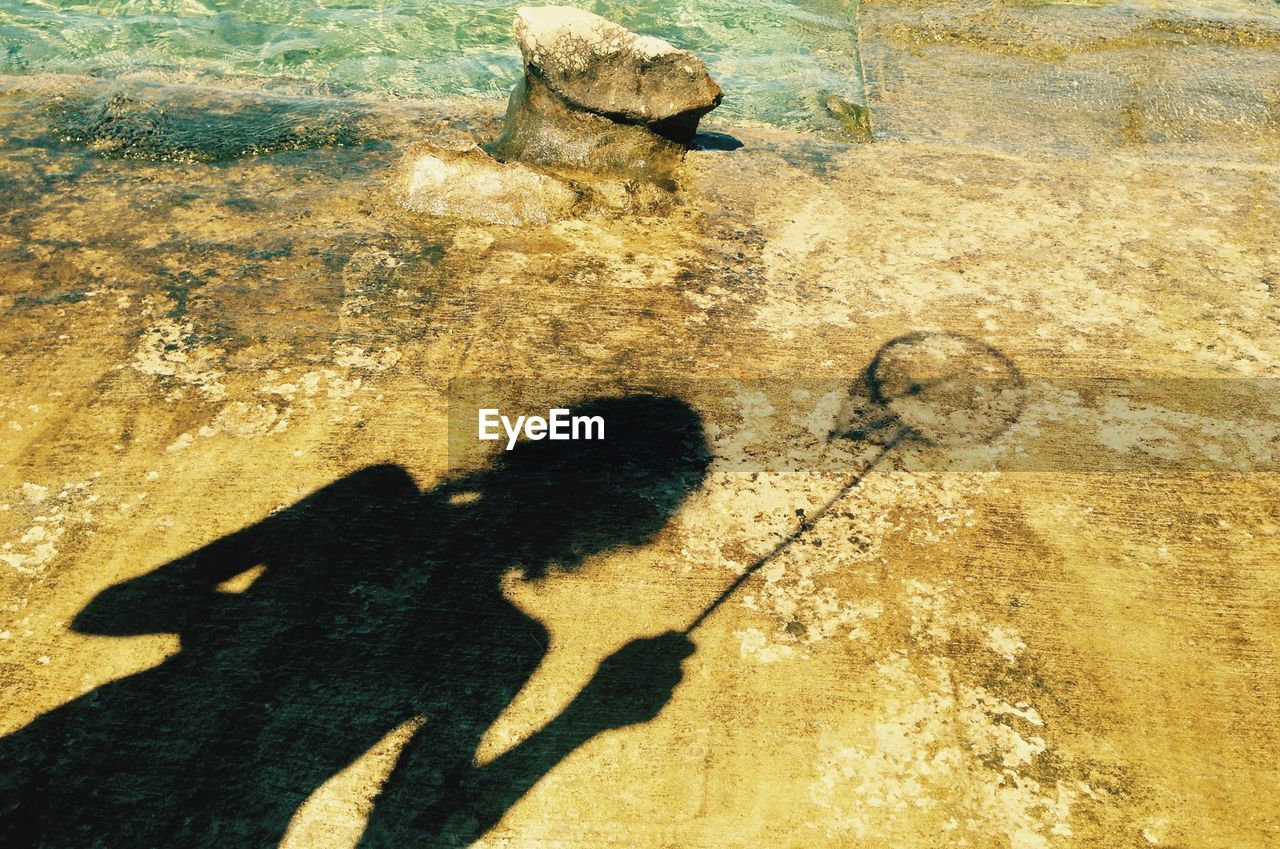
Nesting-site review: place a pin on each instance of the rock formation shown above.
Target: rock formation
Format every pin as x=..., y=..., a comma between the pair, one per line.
x=601, y=121
x=467, y=183
x=599, y=98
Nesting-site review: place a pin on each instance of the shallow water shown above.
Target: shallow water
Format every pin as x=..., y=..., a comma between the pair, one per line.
x=1198, y=79
x=783, y=62
x=1090, y=72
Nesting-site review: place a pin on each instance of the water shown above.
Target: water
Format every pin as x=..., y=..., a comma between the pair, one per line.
x=1078, y=75
x=790, y=63
x=1192, y=78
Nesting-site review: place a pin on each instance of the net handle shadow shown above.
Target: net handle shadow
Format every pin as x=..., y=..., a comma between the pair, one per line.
x=807, y=523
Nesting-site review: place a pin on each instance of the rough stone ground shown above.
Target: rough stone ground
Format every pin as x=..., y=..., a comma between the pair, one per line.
x=1051, y=657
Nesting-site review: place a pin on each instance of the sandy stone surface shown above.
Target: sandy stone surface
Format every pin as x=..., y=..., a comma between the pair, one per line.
x=471, y=185
x=1016, y=653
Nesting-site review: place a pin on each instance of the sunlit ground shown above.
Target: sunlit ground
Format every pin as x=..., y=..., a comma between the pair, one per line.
x=1067, y=639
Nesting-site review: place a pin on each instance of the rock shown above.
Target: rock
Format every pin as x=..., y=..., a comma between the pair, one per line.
x=599, y=123
x=599, y=98
x=601, y=67
x=467, y=183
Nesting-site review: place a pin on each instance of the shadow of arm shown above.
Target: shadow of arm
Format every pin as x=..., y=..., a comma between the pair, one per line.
x=428, y=803
x=171, y=597
x=422, y=805
x=164, y=599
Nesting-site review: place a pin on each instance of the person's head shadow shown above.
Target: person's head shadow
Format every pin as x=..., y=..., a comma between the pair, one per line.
x=556, y=503
x=310, y=635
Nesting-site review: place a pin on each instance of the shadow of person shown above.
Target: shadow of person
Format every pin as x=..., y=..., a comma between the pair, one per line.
x=374, y=604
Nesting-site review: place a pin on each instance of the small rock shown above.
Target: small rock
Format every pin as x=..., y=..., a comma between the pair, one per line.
x=35, y=493
x=471, y=185
x=599, y=98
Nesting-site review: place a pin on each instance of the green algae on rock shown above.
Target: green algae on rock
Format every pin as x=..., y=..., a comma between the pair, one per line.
x=152, y=122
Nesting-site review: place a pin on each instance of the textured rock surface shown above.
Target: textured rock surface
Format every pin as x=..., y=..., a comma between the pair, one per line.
x=469, y=184
x=464, y=183
x=598, y=97
x=604, y=68
x=1053, y=659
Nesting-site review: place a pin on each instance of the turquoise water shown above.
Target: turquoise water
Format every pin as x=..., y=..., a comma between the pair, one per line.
x=783, y=62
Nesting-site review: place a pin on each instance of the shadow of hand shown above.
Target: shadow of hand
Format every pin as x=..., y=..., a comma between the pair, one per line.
x=633, y=684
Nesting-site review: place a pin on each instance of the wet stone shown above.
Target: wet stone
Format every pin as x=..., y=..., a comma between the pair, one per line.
x=467, y=183
x=599, y=98
x=181, y=124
